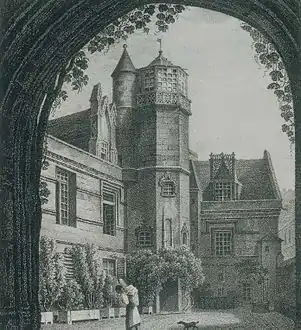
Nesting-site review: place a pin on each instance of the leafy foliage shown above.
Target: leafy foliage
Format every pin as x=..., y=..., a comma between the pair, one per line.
x=52, y=275
x=72, y=297
x=267, y=56
x=88, y=274
x=108, y=291
x=148, y=271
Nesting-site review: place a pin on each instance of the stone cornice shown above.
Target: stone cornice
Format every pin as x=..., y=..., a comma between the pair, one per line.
x=81, y=168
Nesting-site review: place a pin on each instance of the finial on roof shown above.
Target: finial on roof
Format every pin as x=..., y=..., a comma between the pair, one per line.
x=125, y=46
x=160, y=49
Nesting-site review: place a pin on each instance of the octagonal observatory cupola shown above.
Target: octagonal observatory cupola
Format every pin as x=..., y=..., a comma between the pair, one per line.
x=162, y=82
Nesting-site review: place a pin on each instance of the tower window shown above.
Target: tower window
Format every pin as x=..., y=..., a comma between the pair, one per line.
x=222, y=243
x=184, y=238
x=104, y=150
x=168, y=189
x=145, y=238
x=222, y=191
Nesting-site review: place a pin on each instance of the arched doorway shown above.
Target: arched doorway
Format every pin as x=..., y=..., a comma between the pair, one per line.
x=38, y=38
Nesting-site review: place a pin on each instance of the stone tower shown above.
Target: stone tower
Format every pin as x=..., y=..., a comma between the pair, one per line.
x=153, y=112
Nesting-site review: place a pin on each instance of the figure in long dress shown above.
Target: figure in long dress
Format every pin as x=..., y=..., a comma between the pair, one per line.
x=129, y=297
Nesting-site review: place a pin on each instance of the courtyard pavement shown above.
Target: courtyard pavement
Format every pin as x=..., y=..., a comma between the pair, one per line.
x=231, y=319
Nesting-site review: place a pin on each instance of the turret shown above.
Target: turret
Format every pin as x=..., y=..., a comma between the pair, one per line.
x=124, y=97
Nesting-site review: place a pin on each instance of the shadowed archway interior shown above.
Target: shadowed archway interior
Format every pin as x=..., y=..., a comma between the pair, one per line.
x=38, y=38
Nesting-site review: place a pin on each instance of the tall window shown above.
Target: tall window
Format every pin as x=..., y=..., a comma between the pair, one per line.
x=167, y=232
x=109, y=267
x=184, y=238
x=68, y=263
x=222, y=242
x=246, y=291
x=63, y=198
x=222, y=191
x=109, y=207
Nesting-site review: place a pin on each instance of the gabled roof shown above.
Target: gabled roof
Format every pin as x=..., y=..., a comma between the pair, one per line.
x=74, y=129
x=253, y=174
x=125, y=63
x=270, y=238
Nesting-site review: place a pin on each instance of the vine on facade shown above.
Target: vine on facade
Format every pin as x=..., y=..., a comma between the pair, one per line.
x=267, y=56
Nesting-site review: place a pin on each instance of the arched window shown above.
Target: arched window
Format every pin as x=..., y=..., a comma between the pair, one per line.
x=184, y=238
x=168, y=187
x=144, y=236
x=168, y=233
x=184, y=234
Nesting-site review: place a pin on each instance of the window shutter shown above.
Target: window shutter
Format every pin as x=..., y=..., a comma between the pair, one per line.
x=68, y=263
x=72, y=198
x=120, y=267
x=57, y=202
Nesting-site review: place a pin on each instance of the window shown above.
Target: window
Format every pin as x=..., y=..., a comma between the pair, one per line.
x=267, y=249
x=167, y=232
x=65, y=197
x=168, y=189
x=222, y=191
x=221, y=277
x=222, y=243
x=221, y=292
x=246, y=291
x=109, y=207
x=109, y=267
x=289, y=236
x=285, y=238
x=104, y=150
x=68, y=263
x=144, y=238
x=184, y=238
x=167, y=79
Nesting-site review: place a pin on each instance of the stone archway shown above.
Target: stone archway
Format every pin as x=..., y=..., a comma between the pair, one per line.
x=38, y=37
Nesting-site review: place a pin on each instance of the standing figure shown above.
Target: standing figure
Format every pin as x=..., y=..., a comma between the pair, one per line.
x=132, y=318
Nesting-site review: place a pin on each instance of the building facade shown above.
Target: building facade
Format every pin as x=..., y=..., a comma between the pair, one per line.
x=122, y=177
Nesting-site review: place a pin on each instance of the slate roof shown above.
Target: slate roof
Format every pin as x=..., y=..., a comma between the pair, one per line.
x=160, y=60
x=125, y=63
x=74, y=129
x=255, y=176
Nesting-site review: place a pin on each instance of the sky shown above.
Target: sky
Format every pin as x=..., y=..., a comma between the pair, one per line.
x=232, y=111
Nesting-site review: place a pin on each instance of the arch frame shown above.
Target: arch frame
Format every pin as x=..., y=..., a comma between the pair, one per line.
x=38, y=37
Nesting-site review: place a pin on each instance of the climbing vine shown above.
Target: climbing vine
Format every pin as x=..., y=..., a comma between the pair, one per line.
x=267, y=56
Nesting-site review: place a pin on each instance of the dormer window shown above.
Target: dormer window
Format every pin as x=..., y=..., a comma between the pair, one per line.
x=104, y=152
x=222, y=191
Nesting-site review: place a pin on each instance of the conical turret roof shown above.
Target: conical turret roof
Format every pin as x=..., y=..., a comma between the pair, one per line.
x=125, y=63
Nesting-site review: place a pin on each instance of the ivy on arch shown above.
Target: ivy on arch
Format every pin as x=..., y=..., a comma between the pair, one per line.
x=267, y=56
